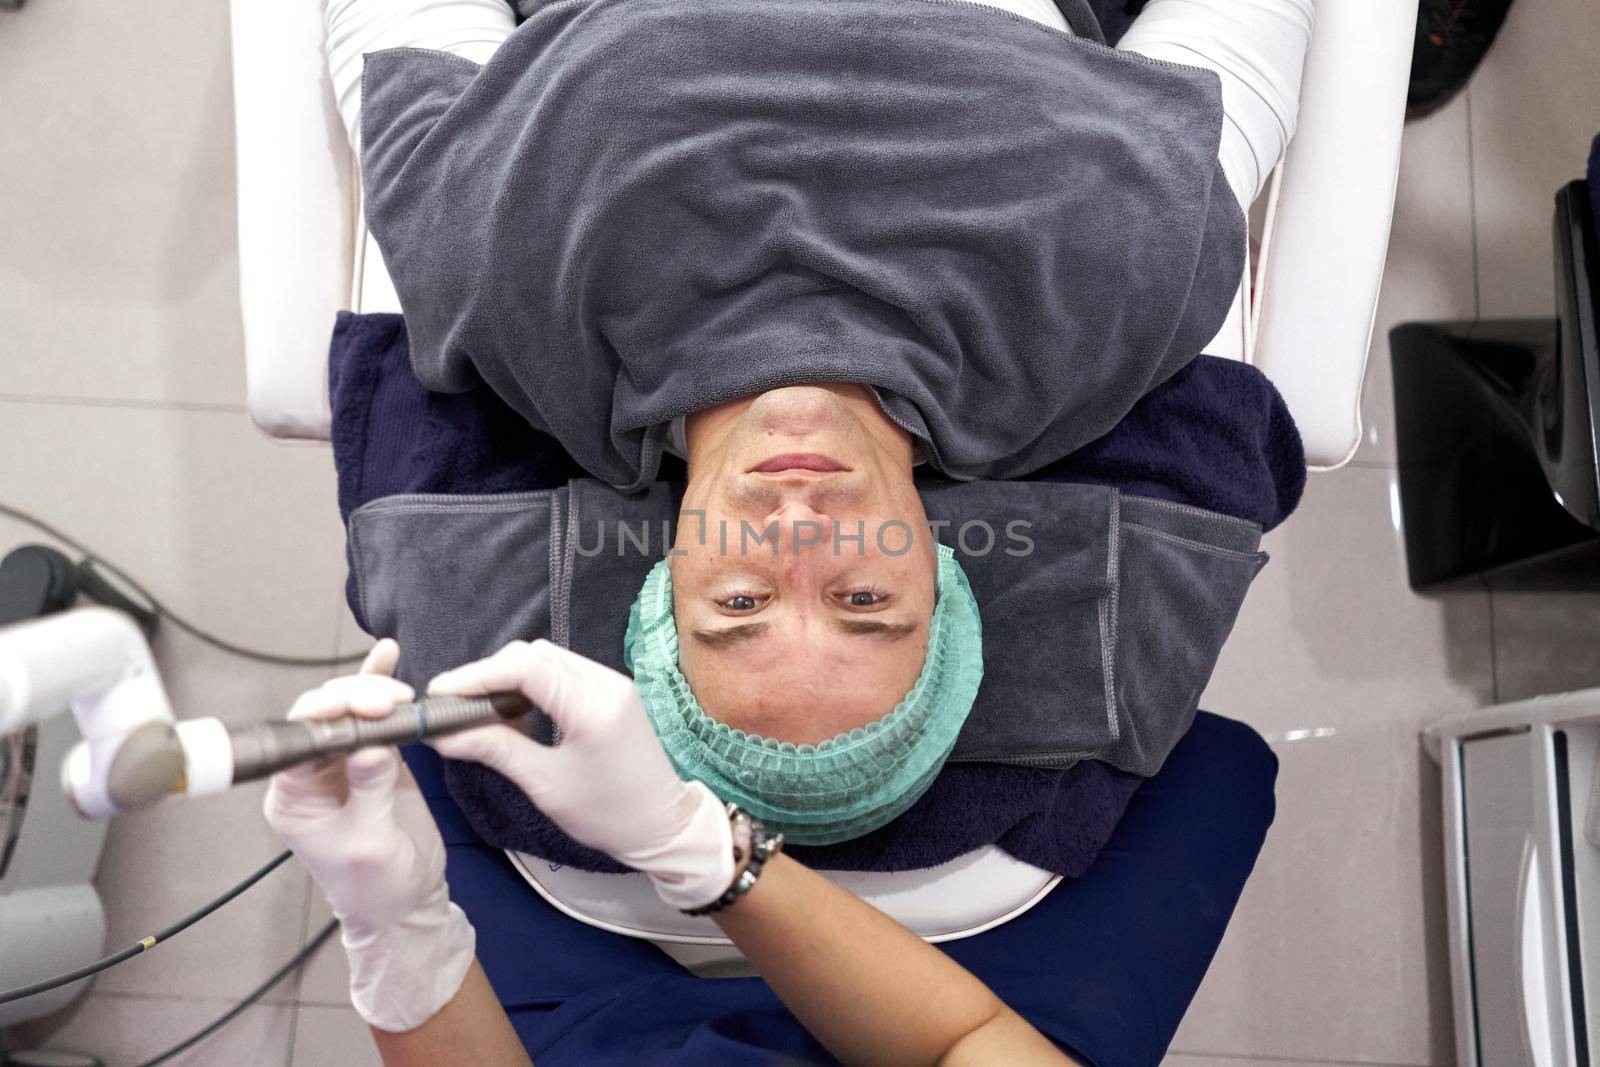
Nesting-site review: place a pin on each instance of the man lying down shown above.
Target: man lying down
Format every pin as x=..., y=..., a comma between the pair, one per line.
x=816, y=248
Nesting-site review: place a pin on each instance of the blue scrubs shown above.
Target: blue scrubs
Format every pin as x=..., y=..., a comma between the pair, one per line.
x=1105, y=965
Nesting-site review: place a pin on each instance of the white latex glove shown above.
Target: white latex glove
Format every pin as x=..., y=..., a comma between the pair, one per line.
x=363, y=831
x=608, y=782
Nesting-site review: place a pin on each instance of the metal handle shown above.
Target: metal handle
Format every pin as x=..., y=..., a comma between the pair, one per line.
x=264, y=748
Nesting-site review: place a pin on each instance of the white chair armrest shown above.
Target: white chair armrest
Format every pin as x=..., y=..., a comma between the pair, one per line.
x=297, y=212
x=1329, y=230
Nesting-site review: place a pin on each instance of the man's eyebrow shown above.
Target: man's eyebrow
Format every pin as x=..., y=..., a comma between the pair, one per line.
x=731, y=635
x=872, y=628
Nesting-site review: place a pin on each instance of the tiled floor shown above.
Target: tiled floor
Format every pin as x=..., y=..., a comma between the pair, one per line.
x=120, y=387
x=1335, y=954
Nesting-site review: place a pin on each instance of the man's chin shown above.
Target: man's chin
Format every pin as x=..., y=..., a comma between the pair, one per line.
x=801, y=412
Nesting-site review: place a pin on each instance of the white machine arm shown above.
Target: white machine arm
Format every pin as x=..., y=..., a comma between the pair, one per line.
x=297, y=212
x=1328, y=227
x=91, y=659
x=304, y=253
x=96, y=662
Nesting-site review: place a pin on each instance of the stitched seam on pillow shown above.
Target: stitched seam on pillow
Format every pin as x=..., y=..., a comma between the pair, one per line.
x=462, y=503
x=559, y=606
x=432, y=53
x=558, y=601
x=1190, y=509
x=568, y=562
x=1108, y=616
x=361, y=573
x=1198, y=546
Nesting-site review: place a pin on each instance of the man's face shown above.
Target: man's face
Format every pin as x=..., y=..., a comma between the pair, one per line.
x=806, y=581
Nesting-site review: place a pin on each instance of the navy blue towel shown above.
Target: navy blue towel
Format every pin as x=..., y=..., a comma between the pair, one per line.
x=1215, y=435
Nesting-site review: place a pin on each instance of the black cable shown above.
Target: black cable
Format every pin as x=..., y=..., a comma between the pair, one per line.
x=260, y=991
x=145, y=945
x=167, y=613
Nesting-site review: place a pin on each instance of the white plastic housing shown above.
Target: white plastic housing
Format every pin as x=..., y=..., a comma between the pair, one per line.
x=93, y=660
x=207, y=756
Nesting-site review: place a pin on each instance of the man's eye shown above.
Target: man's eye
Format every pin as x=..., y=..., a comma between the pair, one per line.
x=866, y=599
x=740, y=602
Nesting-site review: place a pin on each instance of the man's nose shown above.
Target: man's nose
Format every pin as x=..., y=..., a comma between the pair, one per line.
x=800, y=527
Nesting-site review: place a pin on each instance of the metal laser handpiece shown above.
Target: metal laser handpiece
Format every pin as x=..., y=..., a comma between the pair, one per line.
x=161, y=760
x=264, y=748
x=133, y=754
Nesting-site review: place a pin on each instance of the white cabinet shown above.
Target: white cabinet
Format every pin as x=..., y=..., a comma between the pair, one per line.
x=1523, y=880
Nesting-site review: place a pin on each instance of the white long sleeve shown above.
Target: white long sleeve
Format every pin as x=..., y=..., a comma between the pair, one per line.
x=469, y=28
x=1258, y=49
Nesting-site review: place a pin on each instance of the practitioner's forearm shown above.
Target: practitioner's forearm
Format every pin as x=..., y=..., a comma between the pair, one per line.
x=866, y=987
x=472, y=1028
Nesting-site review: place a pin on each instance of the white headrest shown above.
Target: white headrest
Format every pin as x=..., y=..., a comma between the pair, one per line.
x=963, y=897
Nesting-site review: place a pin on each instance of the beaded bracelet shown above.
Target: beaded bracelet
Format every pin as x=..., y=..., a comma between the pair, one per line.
x=748, y=834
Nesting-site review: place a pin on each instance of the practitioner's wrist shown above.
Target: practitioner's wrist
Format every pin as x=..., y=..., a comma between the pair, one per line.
x=699, y=864
x=753, y=847
x=402, y=973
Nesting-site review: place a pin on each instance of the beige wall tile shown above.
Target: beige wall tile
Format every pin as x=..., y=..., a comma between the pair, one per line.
x=1332, y=637
x=1545, y=643
x=129, y=1030
x=352, y=638
x=118, y=270
x=325, y=979
x=1428, y=274
x=1337, y=949
x=1339, y=664
x=332, y=1036
x=236, y=532
x=1535, y=103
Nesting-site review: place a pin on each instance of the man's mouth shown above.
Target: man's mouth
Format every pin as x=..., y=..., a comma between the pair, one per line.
x=799, y=461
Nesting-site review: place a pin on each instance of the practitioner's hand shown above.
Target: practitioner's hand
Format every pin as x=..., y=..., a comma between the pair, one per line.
x=358, y=824
x=363, y=831
x=608, y=782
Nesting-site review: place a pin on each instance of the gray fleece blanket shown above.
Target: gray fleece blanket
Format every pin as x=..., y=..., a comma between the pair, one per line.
x=640, y=208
